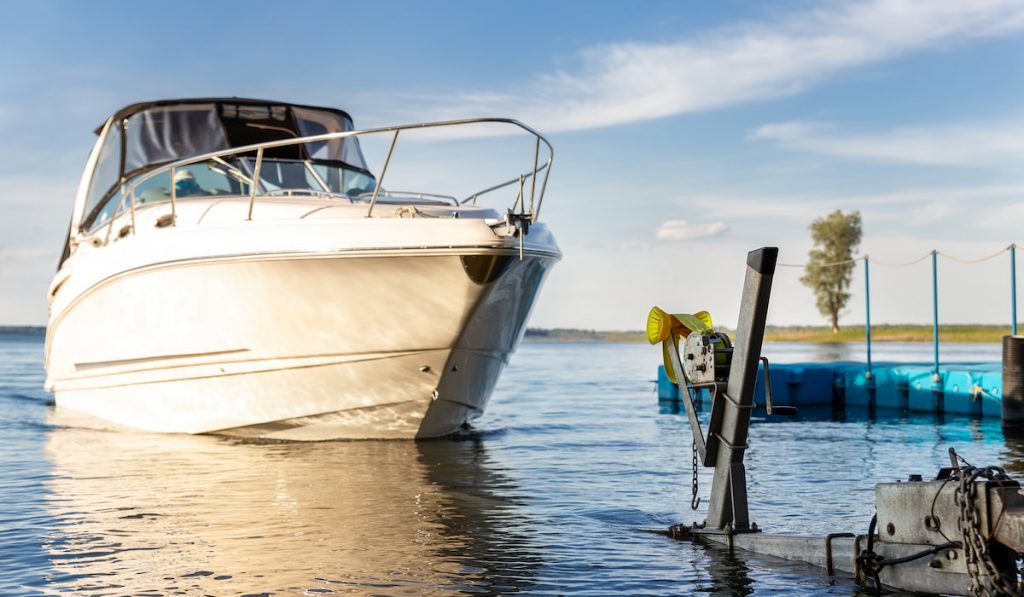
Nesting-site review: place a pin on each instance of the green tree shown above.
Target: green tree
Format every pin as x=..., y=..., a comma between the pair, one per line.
x=830, y=268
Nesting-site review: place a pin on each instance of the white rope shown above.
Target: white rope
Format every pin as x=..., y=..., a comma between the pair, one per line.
x=899, y=263
x=830, y=264
x=970, y=261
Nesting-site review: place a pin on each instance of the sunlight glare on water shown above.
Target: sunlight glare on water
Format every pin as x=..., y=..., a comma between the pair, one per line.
x=555, y=493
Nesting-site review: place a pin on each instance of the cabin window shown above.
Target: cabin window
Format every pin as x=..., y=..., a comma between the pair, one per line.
x=319, y=122
x=209, y=178
x=103, y=217
x=107, y=171
x=195, y=180
x=345, y=181
x=162, y=135
x=154, y=189
x=285, y=174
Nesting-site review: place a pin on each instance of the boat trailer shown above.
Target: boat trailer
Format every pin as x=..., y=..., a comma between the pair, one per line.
x=960, y=533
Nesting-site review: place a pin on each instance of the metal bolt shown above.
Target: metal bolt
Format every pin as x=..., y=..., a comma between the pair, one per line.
x=425, y=369
x=951, y=555
x=935, y=564
x=890, y=528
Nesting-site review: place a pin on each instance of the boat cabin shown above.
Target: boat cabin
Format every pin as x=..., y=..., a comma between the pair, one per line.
x=144, y=137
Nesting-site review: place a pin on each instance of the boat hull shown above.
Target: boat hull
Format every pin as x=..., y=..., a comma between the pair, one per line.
x=312, y=346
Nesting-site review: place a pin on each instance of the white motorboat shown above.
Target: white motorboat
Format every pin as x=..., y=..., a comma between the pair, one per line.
x=234, y=267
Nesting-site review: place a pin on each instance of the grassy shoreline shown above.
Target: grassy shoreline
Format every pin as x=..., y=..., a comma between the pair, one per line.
x=879, y=333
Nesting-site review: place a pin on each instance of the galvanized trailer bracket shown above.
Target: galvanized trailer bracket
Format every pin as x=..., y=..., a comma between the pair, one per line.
x=726, y=440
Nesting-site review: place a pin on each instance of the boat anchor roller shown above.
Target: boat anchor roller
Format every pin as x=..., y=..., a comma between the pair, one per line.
x=961, y=533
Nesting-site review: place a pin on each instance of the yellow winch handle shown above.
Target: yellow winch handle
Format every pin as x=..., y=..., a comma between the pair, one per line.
x=662, y=327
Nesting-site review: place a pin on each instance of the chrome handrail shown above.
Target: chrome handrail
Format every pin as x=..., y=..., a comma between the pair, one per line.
x=383, y=173
x=507, y=183
x=415, y=194
x=129, y=190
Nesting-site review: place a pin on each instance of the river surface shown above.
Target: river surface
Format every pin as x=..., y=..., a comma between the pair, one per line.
x=558, y=491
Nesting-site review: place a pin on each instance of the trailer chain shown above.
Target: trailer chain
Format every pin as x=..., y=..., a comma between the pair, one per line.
x=695, y=500
x=986, y=581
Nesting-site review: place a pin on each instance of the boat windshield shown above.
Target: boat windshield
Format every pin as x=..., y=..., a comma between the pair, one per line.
x=144, y=137
x=323, y=177
x=233, y=177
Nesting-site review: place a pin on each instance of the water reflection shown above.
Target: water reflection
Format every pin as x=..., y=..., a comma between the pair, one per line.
x=164, y=514
x=554, y=500
x=729, y=574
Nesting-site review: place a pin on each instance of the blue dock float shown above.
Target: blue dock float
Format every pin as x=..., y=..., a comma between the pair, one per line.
x=970, y=389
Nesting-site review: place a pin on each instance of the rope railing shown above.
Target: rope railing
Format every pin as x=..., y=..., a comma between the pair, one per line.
x=897, y=263
x=973, y=261
x=881, y=262
x=934, y=254
x=829, y=264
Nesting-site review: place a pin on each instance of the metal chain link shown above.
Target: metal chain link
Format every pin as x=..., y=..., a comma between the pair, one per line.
x=695, y=500
x=976, y=553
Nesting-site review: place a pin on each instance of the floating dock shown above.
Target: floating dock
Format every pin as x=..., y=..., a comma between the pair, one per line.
x=970, y=389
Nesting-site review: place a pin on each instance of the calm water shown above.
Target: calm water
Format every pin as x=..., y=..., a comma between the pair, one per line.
x=571, y=467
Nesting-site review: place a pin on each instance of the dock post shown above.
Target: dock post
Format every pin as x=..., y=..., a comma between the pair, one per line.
x=867, y=311
x=1013, y=383
x=1013, y=289
x=936, y=379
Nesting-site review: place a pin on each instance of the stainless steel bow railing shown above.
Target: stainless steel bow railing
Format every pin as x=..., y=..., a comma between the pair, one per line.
x=535, y=198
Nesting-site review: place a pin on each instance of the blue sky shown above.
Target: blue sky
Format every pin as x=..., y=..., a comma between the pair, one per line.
x=686, y=133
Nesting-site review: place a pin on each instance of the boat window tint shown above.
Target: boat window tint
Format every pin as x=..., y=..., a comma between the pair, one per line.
x=195, y=180
x=318, y=122
x=172, y=133
x=356, y=183
x=345, y=181
x=103, y=217
x=108, y=169
x=208, y=178
x=279, y=174
x=154, y=190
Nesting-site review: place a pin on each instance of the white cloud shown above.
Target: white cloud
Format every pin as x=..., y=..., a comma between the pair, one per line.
x=961, y=145
x=629, y=82
x=683, y=230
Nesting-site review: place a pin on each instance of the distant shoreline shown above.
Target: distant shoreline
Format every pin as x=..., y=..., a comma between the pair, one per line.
x=28, y=330
x=818, y=334
x=795, y=333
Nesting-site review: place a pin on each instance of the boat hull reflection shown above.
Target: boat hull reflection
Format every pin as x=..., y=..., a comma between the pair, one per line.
x=209, y=515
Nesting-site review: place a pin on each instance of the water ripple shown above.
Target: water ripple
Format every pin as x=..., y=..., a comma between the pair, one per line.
x=564, y=487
